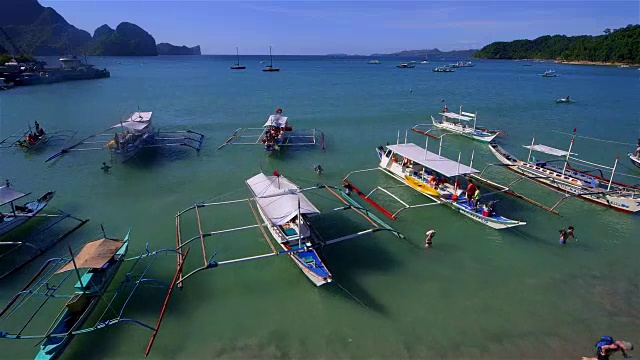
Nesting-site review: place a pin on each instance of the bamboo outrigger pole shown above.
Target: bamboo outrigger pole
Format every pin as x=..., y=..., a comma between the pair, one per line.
x=177, y=276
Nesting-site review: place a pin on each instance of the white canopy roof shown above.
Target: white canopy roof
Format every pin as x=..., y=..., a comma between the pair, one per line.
x=278, y=198
x=548, y=150
x=8, y=195
x=140, y=116
x=456, y=116
x=133, y=125
x=441, y=164
x=276, y=120
x=137, y=121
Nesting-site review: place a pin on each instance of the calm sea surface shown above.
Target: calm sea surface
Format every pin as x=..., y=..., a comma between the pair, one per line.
x=478, y=293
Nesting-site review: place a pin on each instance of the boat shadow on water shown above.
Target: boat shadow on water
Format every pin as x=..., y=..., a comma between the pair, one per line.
x=350, y=260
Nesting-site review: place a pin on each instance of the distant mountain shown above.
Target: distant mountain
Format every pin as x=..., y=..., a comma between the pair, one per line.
x=168, y=49
x=126, y=40
x=432, y=52
x=620, y=45
x=41, y=31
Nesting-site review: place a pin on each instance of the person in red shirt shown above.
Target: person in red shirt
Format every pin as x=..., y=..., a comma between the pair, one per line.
x=471, y=190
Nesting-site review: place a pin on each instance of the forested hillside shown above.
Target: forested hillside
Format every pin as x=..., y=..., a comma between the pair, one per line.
x=620, y=45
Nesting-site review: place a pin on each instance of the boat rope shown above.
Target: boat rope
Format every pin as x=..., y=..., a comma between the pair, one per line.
x=591, y=138
x=204, y=250
x=352, y=296
x=266, y=237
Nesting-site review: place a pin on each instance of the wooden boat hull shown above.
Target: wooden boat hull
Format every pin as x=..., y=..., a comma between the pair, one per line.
x=471, y=133
x=495, y=222
x=420, y=186
x=553, y=179
x=11, y=222
x=78, y=309
x=126, y=153
x=635, y=160
x=307, y=260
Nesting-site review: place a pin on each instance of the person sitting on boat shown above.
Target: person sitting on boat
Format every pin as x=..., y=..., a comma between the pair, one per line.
x=278, y=111
x=40, y=132
x=433, y=180
x=471, y=190
x=347, y=187
x=637, y=152
x=30, y=139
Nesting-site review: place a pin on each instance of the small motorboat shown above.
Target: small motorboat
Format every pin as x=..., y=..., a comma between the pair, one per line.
x=406, y=66
x=376, y=62
x=635, y=159
x=443, y=69
x=566, y=100
x=549, y=73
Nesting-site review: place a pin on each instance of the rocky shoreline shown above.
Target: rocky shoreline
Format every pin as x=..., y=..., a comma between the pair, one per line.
x=582, y=62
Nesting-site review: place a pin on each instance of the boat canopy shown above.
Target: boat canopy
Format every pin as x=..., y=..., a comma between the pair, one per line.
x=140, y=116
x=456, y=116
x=441, y=164
x=278, y=198
x=137, y=121
x=548, y=150
x=8, y=195
x=276, y=120
x=94, y=255
x=133, y=125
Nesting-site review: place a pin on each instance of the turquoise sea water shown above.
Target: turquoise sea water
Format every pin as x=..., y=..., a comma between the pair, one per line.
x=478, y=293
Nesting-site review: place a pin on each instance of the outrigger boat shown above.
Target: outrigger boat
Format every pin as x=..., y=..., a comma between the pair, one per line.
x=435, y=177
x=126, y=138
x=575, y=183
x=549, y=73
x=29, y=140
x=101, y=260
x=455, y=123
x=275, y=134
x=286, y=213
x=19, y=214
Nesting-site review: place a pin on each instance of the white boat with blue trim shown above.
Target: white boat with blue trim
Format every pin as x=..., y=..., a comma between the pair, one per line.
x=459, y=123
x=591, y=187
x=417, y=167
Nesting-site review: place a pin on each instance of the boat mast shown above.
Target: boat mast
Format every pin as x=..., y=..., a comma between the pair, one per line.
x=566, y=160
x=73, y=260
x=426, y=146
x=613, y=172
x=299, y=224
x=270, y=56
x=533, y=139
x=238, y=56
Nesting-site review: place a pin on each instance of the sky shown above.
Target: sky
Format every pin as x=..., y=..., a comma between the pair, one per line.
x=351, y=27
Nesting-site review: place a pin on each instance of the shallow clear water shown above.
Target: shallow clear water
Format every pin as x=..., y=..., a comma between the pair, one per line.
x=478, y=293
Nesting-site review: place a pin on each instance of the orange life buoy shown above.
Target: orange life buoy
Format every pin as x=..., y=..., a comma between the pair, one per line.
x=395, y=158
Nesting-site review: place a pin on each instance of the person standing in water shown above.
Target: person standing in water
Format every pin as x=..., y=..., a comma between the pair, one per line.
x=429, y=240
x=607, y=347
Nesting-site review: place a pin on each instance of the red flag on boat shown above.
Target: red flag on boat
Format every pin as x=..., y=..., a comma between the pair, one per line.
x=276, y=173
